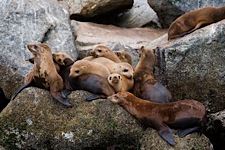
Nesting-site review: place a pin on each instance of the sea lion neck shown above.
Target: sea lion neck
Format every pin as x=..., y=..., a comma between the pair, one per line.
x=68, y=62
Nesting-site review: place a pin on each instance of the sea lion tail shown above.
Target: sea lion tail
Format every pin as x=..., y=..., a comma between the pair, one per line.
x=20, y=89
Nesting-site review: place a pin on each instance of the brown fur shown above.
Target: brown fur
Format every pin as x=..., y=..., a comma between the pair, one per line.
x=121, y=68
x=193, y=20
x=145, y=85
x=104, y=51
x=44, y=74
x=97, y=85
x=86, y=67
x=188, y=115
x=120, y=83
x=124, y=56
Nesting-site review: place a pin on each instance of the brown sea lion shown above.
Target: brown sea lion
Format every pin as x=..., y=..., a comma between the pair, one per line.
x=186, y=115
x=86, y=67
x=104, y=51
x=145, y=85
x=121, y=68
x=95, y=84
x=124, y=56
x=120, y=83
x=191, y=21
x=44, y=74
x=3, y=100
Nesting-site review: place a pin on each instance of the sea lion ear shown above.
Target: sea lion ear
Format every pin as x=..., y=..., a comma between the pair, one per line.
x=31, y=60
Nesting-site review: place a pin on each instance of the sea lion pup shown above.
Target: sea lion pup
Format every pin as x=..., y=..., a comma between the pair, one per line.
x=187, y=115
x=145, y=85
x=86, y=67
x=104, y=51
x=44, y=74
x=95, y=84
x=121, y=68
x=124, y=56
x=191, y=21
x=120, y=83
x=3, y=100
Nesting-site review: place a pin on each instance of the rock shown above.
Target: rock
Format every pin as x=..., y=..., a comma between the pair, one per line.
x=90, y=34
x=139, y=15
x=97, y=10
x=151, y=140
x=216, y=129
x=169, y=10
x=193, y=67
x=24, y=22
x=35, y=121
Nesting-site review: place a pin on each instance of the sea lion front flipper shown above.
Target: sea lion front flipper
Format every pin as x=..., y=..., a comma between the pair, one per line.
x=183, y=133
x=166, y=134
x=92, y=97
x=59, y=98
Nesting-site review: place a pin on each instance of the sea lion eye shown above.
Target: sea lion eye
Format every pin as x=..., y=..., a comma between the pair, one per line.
x=99, y=50
x=110, y=78
x=119, y=77
x=77, y=71
x=59, y=60
x=125, y=70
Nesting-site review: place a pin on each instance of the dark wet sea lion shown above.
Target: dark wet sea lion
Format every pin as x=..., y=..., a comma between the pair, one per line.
x=191, y=21
x=95, y=84
x=44, y=74
x=187, y=115
x=145, y=85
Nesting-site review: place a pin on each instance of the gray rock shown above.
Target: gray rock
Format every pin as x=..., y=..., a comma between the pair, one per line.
x=169, y=10
x=23, y=22
x=35, y=121
x=139, y=15
x=216, y=129
x=86, y=9
x=90, y=34
x=193, y=67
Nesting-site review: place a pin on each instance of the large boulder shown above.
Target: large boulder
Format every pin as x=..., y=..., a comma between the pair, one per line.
x=169, y=10
x=35, y=121
x=131, y=39
x=23, y=22
x=193, y=67
x=97, y=10
x=141, y=14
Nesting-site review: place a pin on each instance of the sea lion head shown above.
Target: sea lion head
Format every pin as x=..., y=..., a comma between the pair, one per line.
x=38, y=49
x=62, y=58
x=100, y=51
x=147, y=54
x=114, y=78
x=118, y=97
x=124, y=69
x=78, y=68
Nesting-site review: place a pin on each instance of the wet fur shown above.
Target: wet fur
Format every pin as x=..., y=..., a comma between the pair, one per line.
x=187, y=115
x=191, y=21
x=145, y=85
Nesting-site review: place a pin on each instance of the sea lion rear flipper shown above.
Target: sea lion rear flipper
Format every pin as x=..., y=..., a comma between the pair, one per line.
x=94, y=97
x=166, y=134
x=59, y=98
x=20, y=89
x=183, y=133
x=65, y=93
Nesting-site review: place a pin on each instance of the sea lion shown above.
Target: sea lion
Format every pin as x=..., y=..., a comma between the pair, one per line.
x=86, y=67
x=121, y=68
x=124, y=56
x=3, y=100
x=120, y=83
x=44, y=74
x=145, y=85
x=191, y=21
x=95, y=84
x=104, y=51
x=187, y=115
